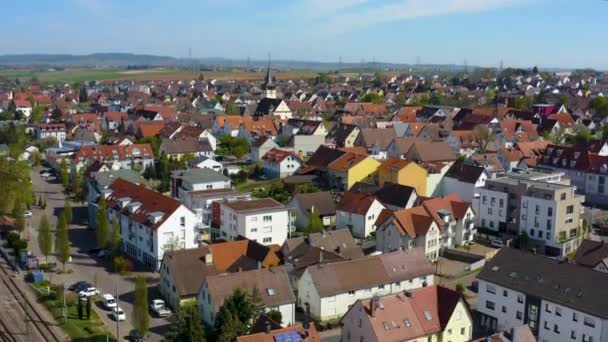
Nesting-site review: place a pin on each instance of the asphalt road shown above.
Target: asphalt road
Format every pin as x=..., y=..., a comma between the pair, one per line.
x=84, y=266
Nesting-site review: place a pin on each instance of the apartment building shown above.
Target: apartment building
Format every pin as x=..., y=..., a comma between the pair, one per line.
x=113, y=157
x=548, y=211
x=559, y=301
x=263, y=220
x=150, y=222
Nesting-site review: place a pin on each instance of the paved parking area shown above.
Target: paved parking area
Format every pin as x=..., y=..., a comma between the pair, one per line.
x=84, y=266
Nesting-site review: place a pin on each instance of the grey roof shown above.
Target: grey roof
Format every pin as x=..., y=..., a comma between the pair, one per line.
x=196, y=176
x=563, y=283
x=339, y=241
x=321, y=201
x=363, y=273
x=188, y=269
x=590, y=253
x=105, y=178
x=272, y=283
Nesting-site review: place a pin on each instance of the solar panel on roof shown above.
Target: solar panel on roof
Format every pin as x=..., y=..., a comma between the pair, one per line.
x=291, y=336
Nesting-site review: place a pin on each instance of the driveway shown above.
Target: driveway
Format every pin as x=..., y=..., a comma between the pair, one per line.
x=84, y=266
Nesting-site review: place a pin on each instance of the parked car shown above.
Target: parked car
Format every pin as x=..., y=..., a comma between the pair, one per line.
x=89, y=291
x=108, y=301
x=118, y=314
x=497, y=243
x=46, y=173
x=159, y=309
x=135, y=336
x=27, y=214
x=79, y=286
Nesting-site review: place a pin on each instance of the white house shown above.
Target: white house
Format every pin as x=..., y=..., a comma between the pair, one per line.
x=358, y=212
x=558, y=301
x=150, y=222
x=57, y=131
x=465, y=180
x=207, y=163
x=280, y=163
x=328, y=290
x=197, y=180
x=260, y=147
x=272, y=285
x=263, y=220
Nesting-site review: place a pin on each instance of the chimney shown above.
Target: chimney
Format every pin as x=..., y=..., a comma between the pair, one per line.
x=267, y=327
x=373, y=306
x=259, y=265
x=208, y=258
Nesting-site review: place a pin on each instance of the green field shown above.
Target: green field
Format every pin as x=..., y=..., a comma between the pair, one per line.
x=82, y=75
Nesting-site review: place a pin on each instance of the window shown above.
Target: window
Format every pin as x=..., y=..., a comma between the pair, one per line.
x=547, y=326
x=537, y=210
x=590, y=322
x=484, y=200
x=523, y=217
x=574, y=317
x=587, y=338
x=547, y=308
x=267, y=218
x=352, y=292
x=570, y=209
x=549, y=224
x=407, y=323
x=490, y=288
x=209, y=186
x=563, y=196
x=549, y=211
x=381, y=287
x=492, y=201
x=504, y=309
x=463, y=331
x=490, y=305
x=505, y=293
x=267, y=229
x=556, y=328
x=548, y=236
x=267, y=240
x=573, y=335
x=501, y=203
x=532, y=232
x=520, y=299
x=518, y=315
x=558, y=311
x=182, y=221
x=489, y=211
x=254, y=230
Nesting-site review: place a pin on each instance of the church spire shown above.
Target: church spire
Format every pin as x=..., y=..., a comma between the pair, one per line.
x=268, y=86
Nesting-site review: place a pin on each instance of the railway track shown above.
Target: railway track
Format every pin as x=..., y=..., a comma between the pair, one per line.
x=5, y=334
x=35, y=319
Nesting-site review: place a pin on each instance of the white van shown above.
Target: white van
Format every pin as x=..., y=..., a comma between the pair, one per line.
x=108, y=301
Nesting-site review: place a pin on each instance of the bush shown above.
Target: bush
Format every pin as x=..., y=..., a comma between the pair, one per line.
x=123, y=264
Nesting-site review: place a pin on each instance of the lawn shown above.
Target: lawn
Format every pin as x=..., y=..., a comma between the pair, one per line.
x=251, y=185
x=92, y=329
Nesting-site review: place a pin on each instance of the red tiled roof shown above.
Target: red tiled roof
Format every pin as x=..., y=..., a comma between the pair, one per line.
x=120, y=152
x=276, y=156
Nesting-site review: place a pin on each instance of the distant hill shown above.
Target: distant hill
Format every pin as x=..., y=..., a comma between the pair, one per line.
x=130, y=59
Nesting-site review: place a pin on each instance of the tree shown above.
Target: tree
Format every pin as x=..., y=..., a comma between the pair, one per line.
x=372, y=97
x=238, y=307
x=600, y=105
x=116, y=241
x=82, y=95
x=18, y=210
x=315, y=223
x=89, y=307
x=231, y=326
x=523, y=240
x=45, y=238
x=558, y=136
x=523, y=103
x=36, y=158
x=141, y=317
x=56, y=114
x=275, y=315
x=62, y=240
x=64, y=173
x=102, y=226
x=188, y=326
x=80, y=314
x=582, y=134
x=67, y=211
x=483, y=136
x=255, y=298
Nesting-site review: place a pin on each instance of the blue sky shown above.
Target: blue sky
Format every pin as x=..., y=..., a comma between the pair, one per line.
x=523, y=33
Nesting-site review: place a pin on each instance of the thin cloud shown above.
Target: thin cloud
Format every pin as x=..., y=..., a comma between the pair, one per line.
x=359, y=17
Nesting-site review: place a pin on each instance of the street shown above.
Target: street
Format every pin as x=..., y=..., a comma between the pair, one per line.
x=87, y=267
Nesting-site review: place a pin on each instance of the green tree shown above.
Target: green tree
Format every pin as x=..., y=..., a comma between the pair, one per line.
x=372, y=97
x=188, y=326
x=45, y=238
x=67, y=211
x=36, y=158
x=315, y=223
x=62, y=240
x=255, y=298
x=64, y=173
x=56, y=114
x=18, y=211
x=231, y=326
x=275, y=315
x=116, y=240
x=600, y=105
x=141, y=316
x=82, y=95
x=239, y=307
x=523, y=103
x=102, y=225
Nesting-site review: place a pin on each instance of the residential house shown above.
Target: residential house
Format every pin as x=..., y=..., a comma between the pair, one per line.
x=55, y=131
x=465, y=180
x=273, y=107
x=593, y=254
x=358, y=212
x=261, y=146
x=144, y=129
x=183, y=272
x=206, y=163
x=547, y=211
x=99, y=182
x=433, y=313
x=150, y=223
x=272, y=285
x=304, y=204
x=344, y=135
x=280, y=163
x=186, y=146
x=327, y=291
x=184, y=181
x=559, y=301
x=262, y=127
x=114, y=157
x=512, y=132
x=403, y=172
x=264, y=220
x=271, y=332
x=350, y=168
x=376, y=141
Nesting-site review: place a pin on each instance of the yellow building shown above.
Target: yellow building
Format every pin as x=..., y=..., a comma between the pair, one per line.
x=351, y=168
x=403, y=172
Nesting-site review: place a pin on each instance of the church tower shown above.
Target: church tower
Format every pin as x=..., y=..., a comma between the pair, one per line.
x=269, y=90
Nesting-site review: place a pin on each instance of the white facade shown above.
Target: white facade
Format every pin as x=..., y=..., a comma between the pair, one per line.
x=211, y=164
x=147, y=244
x=361, y=225
x=492, y=211
x=389, y=239
x=264, y=226
x=467, y=191
x=510, y=308
x=58, y=134
x=282, y=169
x=326, y=308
